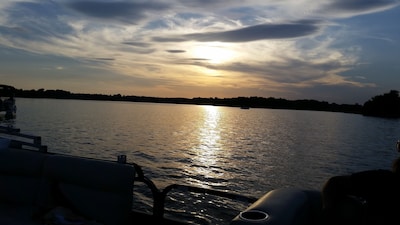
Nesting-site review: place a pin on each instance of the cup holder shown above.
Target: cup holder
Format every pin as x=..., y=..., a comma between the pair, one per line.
x=253, y=215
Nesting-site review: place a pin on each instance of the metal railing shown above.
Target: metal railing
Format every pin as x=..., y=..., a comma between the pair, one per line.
x=19, y=140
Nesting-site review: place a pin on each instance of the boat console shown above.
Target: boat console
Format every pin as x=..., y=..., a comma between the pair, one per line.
x=284, y=206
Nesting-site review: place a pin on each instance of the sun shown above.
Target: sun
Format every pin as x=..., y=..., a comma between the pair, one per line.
x=214, y=53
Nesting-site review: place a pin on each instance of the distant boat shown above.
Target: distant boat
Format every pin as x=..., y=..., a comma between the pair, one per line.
x=9, y=114
x=8, y=109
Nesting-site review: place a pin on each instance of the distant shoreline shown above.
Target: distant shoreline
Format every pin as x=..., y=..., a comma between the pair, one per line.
x=242, y=102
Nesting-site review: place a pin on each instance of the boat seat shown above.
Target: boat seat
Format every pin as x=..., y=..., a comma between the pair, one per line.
x=20, y=179
x=100, y=191
x=35, y=184
x=20, y=175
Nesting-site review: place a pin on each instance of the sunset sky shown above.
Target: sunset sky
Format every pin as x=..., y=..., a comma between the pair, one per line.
x=341, y=51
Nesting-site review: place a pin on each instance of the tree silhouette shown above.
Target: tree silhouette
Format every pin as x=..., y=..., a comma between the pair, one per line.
x=251, y=102
x=386, y=105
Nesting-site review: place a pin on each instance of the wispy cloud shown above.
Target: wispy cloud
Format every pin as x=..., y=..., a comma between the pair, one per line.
x=251, y=33
x=129, y=11
x=357, y=7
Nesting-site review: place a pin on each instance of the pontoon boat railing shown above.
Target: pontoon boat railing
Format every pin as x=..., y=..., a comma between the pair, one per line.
x=32, y=141
x=159, y=197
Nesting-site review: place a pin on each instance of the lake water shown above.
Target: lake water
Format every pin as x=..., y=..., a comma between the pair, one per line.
x=244, y=151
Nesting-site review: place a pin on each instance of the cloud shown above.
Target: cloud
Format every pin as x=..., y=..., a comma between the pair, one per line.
x=130, y=12
x=200, y=59
x=176, y=51
x=104, y=59
x=44, y=21
x=251, y=33
x=137, y=44
x=362, y=5
x=346, y=8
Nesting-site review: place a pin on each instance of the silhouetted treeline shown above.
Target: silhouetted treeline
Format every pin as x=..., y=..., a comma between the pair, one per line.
x=386, y=105
x=252, y=102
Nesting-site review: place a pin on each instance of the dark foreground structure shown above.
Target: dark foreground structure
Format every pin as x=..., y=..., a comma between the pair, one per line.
x=43, y=188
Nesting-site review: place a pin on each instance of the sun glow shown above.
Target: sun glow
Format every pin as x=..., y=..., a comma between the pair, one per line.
x=214, y=53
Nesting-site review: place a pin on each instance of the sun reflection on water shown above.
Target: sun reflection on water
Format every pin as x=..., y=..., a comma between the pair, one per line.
x=206, y=153
x=209, y=132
